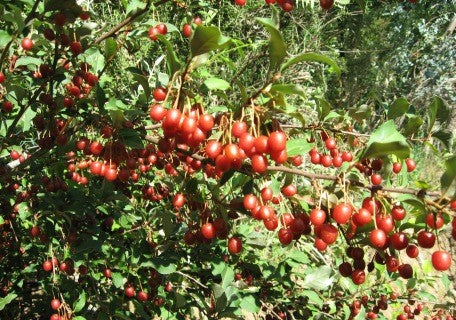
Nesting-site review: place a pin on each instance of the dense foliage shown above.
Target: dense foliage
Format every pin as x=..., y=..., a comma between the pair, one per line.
x=227, y=159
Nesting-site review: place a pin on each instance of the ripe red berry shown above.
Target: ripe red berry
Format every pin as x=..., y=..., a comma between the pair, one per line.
x=55, y=304
x=7, y=106
x=208, y=230
x=376, y=179
x=289, y=190
x=187, y=30
x=434, y=221
x=285, y=236
x=328, y=233
x=27, y=44
x=398, y=213
x=412, y=251
x=358, y=277
x=129, y=291
x=259, y=163
x=330, y=143
x=362, y=217
x=234, y=245
x=76, y=47
x=397, y=167
x=378, y=238
x=342, y=213
x=317, y=217
x=426, y=239
x=240, y=2
x=441, y=260
x=161, y=28
x=411, y=164
x=326, y=4
x=2, y=77
x=159, y=94
x=142, y=296
x=250, y=202
x=47, y=265
x=276, y=142
x=107, y=273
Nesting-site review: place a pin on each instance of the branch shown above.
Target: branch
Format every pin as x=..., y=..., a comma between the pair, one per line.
x=127, y=21
x=316, y=176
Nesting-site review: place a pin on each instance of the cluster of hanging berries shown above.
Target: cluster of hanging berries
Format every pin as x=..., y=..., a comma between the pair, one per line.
x=159, y=29
x=231, y=155
x=156, y=280
x=286, y=5
x=82, y=83
x=335, y=158
x=292, y=226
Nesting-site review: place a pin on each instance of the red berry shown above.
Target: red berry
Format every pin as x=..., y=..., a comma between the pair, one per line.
x=187, y=30
x=398, y=213
x=285, y=236
x=378, y=238
x=376, y=179
x=358, y=277
x=129, y=291
x=55, y=304
x=317, y=217
x=342, y=213
x=142, y=296
x=250, y=202
x=411, y=164
x=2, y=77
x=412, y=251
x=326, y=4
x=441, y=260
x=277, y=141
x=160, y=94
x=397, y=167
x=27, y=44
x=240, y=2
x=362, y=217
x=426, y=239
x=234, y=245
x=208, y=230
x=289, y=190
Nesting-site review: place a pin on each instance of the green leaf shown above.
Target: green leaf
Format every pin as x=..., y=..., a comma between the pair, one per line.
x=141, y=80
x=413, y=125
x=164, y=265
x=438, y=110
x=250, y=304
x=207, y=39
x=79, y=318
x=80, y=303
x=277, y=47
x=110, y=48
x=323, y=108
x=444, y=135
x=312, y=57
x=117, y=279
x=131, y=138
x=216, y=84
x=386, y=140
x=172, y=60
x=288, y=89
x=449, y=176
x=6, y=300
x=398, y=108
x=297, y=147
x=26, y=61
x=313, y=297
x=5, y=37
x=227, y=276
x=319, y=278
